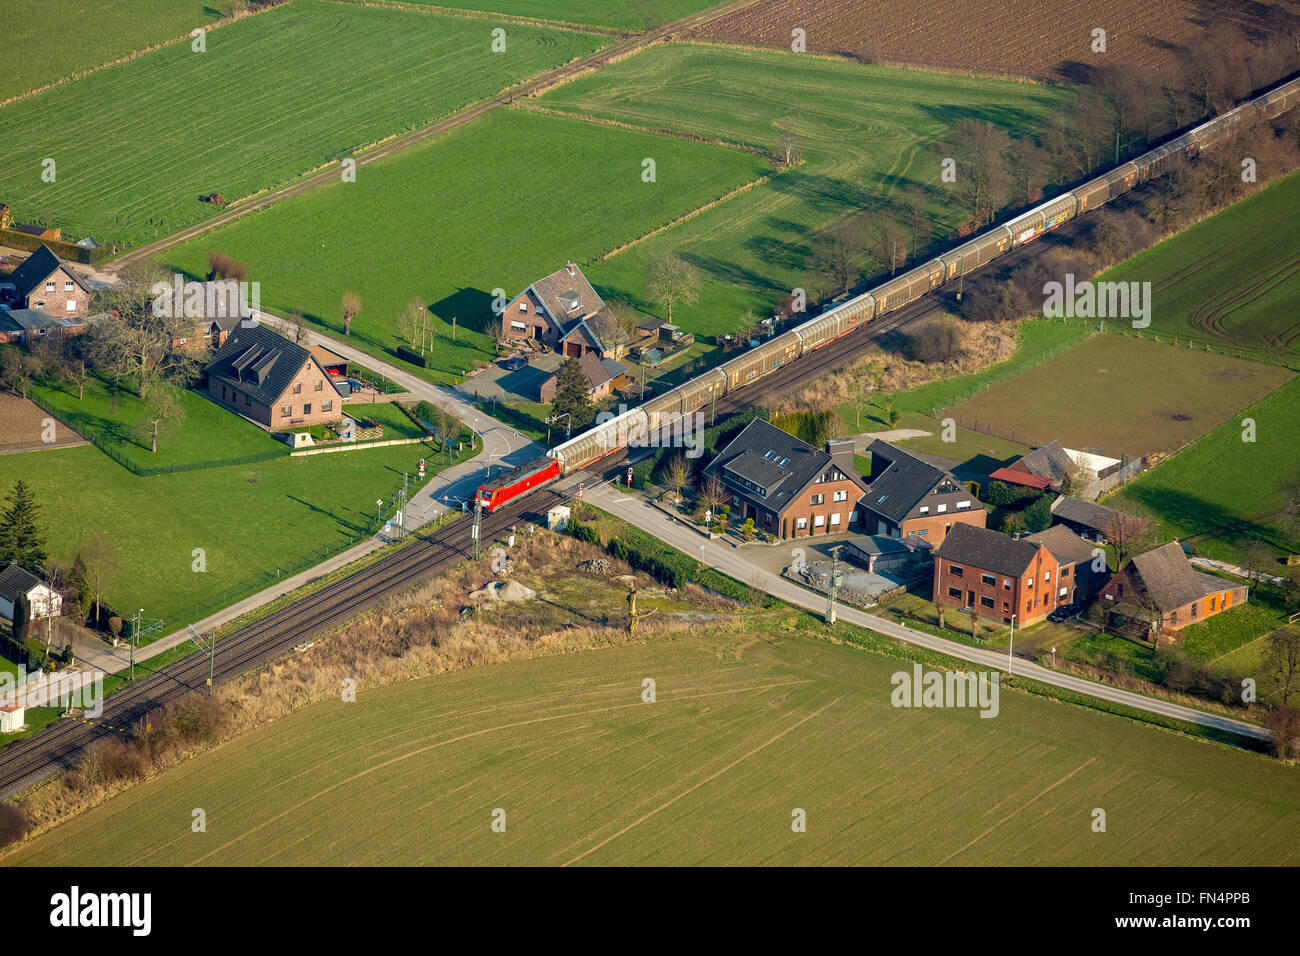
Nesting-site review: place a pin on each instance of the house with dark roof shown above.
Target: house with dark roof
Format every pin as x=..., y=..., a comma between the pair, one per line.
x=1090, y=520
x=564, y=312
x=42, y=600
x=32, y=325
x=603, y=376
x=272, y=381
x=997, y=576
x=907, y=495
x=1160, y=590
x=789, y=488
x=1082, y=564
x=44, y=281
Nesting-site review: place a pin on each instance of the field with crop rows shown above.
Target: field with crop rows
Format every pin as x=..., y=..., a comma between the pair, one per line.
x=863, y=133
x=748, y=726
x=491, y=205
x=273, y=96
x=996, y=36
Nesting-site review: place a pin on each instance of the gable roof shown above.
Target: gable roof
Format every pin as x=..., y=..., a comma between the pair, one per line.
x=774, y=462
x=15, y=580
x=567, y=295
x=1047, y=461
x=580, y=329
x=903, y=483
x=1066, y=546
x=260, y=362
x=36, y=269
x=1086, y=513
x=1015, y=477
x=1167, y=577
x=988, y=550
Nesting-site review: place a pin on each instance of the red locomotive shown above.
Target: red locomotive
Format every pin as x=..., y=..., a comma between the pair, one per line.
x=518, y=482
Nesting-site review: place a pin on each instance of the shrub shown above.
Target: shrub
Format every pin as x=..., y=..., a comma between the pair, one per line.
x=583, y=532
x=13, y=824
x=1038, y=516
x=933, y=341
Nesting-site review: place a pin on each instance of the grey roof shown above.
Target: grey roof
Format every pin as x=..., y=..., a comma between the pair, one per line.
x=259, y=362
x=25, y=320
x=1047, y=461
x=883, y=544
x=1166, y=575
x=988, y=550
x=36, y=269
x=613, y=368
x=1086, y=513
x=899, y=487
x=1066, y=546
x=771, y=459
x=15, y=580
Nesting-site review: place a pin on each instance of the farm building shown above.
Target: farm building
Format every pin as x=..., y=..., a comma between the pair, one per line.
x=789, y=488
x=1160, y=590
x=978, y=569
x=603, y=377
x=564, y=312
x=12, y=716
x=38, y=232
x=272, y=381
x=1088, y=519
x=42, y=601
x=1057, y=465
x=31, y=325
x=879, y=553
x=44, y=281
x=906, y=495
x=1076, y=558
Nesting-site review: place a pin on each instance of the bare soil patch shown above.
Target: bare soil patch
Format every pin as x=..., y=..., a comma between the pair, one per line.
x=24, y=427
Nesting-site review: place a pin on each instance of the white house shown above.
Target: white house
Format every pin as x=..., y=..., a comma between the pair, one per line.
x=43, y=600
x=11, y=718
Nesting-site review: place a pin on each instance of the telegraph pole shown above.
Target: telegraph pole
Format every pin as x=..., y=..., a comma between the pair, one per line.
x=836, y=580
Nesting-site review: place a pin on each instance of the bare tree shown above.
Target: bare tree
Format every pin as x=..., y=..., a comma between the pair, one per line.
x=134, y=339
x=1282, y=659
x=914, y=214
x=980, y=150
x=100, y=559
x=350, y=306
x=18, y=369
x=164, y=411
x=413, y=324
x=712, y=493
x=677, y=474
x=1258, y=560
x=1028, y=168
x=297, y=327
x=80, y=375
x=838, y=254
x=887, y=238
x=788, y=141
x=1128, y=535
x=671, y=280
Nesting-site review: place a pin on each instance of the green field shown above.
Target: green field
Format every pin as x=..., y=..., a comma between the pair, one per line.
x=1122, y=395
x=248, y=519
x=747, y=728
x=1232, y=279
x=864, y=131
x=273, y=96
x=609, y=14
x=1224, y=493
x=109, y=30
x=491, y=205
x=116, y=418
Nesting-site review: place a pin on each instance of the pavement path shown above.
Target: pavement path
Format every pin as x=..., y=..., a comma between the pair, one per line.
x=733, y=561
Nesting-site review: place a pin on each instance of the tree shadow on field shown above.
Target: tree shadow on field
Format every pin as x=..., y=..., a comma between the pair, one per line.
x=349, y=523
x=791, y=256
x=471, y=308
x=1207, y=521
x=826, y=194
x=731, y=272
x=1012, y=119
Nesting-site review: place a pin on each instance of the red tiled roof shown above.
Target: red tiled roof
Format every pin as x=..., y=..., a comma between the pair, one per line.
x=1021, y=478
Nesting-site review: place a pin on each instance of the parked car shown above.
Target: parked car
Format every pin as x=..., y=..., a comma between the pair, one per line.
x=515, y=364
x=1064, y=612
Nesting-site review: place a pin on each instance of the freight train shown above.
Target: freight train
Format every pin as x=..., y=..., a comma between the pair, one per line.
x=638, y=425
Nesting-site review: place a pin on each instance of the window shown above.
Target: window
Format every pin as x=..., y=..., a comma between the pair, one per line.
x=941, y=508
x=1030, y=584
x=1006, y=584
x=988, y=579
x=817, y=500
x=297, y=388
x=286, y=411
x=49, y=286
x=68, y=285
x=1065, y=572
x=306, y=409
x=247, y=400
x=954, y=593
x=1062, y=591
x=1006, y=605
x=963, y=504
x=1029, y=606
x=925, y=509
x=523, y=306
x=71, y=305
x=1213, y=602
x=801, y=524
x=1047, y=575
x=327, y=406
x=986, y=602
x=320, y=386
x=518, y=326
x=955, y=570
x=819, y=520
x=840, y=496
x=835, y=518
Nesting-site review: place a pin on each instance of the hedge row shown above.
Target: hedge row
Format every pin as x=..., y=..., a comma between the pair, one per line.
x=412, y=356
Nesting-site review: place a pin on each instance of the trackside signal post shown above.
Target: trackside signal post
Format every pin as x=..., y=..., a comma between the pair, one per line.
x=836, y=580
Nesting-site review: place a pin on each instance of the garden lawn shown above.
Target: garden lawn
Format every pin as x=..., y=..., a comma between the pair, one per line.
x=863, y=132
x=1223, y=493
x=116, y=417
x=103, y=32
x=249, y=519
x=273, y=96
x=452, y=220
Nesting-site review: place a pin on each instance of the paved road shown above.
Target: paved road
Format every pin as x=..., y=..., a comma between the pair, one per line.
x=734, y=562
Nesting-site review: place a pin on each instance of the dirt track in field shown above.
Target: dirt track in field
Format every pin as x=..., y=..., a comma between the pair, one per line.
x=1035, y=38
x=23, y=425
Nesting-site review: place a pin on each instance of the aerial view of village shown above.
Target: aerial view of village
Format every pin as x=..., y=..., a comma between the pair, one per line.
x=675, y=433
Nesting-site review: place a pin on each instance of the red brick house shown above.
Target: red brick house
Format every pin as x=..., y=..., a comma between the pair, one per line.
x=1160, y=590
x=789, y=488
x=1001, y=576
x=270, y=380
x=45, y=282
x=564, y=312
x=907, y=495
x=1077, y=558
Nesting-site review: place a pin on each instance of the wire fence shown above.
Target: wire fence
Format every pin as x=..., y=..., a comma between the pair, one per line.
x=1268, y=356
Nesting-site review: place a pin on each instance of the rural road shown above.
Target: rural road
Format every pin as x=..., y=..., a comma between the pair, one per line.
x=732, y=561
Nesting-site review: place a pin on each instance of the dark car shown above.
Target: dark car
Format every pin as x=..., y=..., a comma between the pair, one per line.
x=514, y=364
x=1064, y=612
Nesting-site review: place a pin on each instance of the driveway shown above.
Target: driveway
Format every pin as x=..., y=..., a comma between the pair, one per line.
x=522, y=385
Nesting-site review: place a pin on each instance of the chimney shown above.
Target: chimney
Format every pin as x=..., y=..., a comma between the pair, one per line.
x=841, y=452
x=572, y=268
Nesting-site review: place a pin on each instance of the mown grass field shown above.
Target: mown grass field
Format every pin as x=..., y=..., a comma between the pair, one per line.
x=1122, y=395
x=249, y=519
x=104, y=31
x=1223, y=493
x=609, y=14
x=491, y=205
x=747, y=727
x=273, y=96
x=863, y=133
x=1232, y=279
